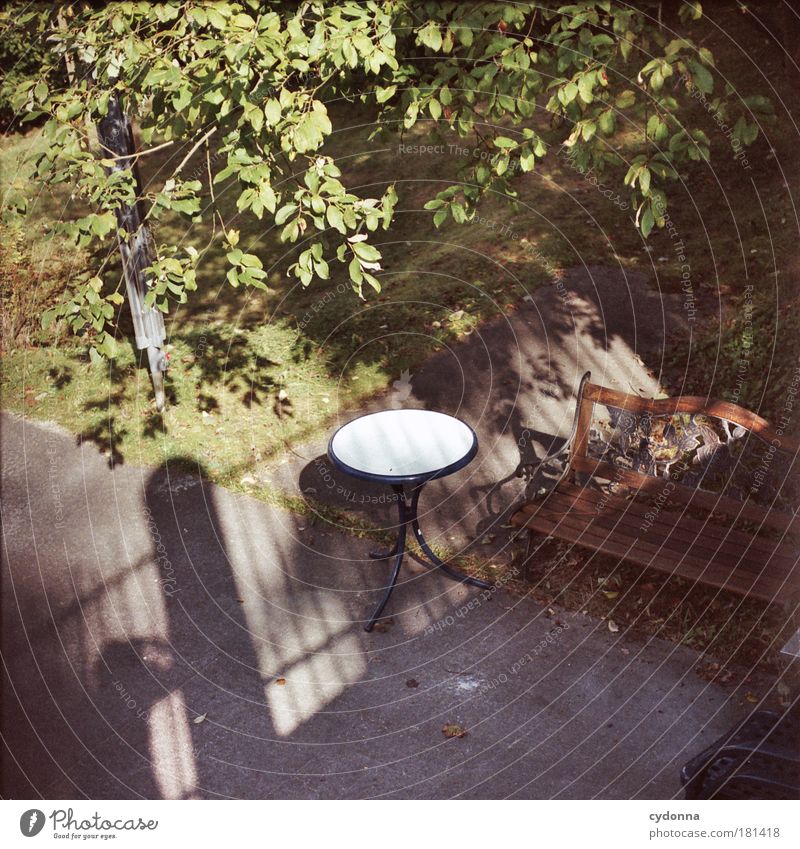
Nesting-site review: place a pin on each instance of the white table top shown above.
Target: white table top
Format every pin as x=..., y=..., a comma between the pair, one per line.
x=402, y=443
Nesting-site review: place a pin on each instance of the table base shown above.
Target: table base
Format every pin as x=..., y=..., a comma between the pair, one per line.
x=408, y=516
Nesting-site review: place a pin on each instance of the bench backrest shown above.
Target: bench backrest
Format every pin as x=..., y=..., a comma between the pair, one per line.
x=714, y=455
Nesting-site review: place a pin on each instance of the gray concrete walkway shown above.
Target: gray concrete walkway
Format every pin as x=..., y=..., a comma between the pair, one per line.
x=166, y=638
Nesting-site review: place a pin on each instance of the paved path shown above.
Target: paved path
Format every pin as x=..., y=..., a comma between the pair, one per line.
x=163, y=637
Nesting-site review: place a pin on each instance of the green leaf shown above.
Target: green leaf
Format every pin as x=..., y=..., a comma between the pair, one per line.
x=625, y=99
x=335, y=218
x=103, y=224
x=215, y=19
x=306, y=137
x=373, y=281
x=656, y=80
x=384, y=94
x=284, y=212
x=750, y=134
x=568, y=93
x=108, y=346
x=251, y=261
x=48, y=317
x=366, y=252
x=181, y=99
x=585, y=86
x=759, y=103
x=647, y=221
x=172, y=266
x=657, y=129
x=267, y=196
x=290, y=232
x=272, y=112
x=354, y=268
x=701, y=77
x=606, y=122
x=255, y=118
x=430, y=35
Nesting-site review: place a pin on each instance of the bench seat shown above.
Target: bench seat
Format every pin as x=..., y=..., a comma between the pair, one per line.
x=672, y=542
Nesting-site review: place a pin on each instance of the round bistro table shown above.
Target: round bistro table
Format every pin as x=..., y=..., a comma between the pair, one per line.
x=405, y=448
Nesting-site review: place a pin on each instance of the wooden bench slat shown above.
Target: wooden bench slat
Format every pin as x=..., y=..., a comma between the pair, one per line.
x=723, y=575
x=687, y=528
x=697, y=497
x=661, y=538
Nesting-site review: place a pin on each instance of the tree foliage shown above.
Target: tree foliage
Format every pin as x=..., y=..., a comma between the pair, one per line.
x=246, y=86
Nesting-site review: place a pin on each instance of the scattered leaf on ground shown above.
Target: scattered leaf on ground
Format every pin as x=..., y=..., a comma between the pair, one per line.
x=453, y=730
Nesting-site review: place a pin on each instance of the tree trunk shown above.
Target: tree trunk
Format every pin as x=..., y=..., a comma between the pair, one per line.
x=135, y=246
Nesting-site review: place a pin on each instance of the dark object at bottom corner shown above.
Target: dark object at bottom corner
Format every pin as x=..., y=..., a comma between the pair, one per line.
x=759, y=759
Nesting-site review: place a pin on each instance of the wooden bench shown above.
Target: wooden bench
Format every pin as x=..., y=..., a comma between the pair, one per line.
x=697, y=488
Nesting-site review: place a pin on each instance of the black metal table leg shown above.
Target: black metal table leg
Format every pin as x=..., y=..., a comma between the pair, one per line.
x=423, y=544
x=408, y=516
x=386, y=555
x=398, y=553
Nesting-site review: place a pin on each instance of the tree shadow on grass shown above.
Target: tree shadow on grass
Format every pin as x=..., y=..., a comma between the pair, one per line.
x=60, y=376
x=226, y=361
x=107, y=433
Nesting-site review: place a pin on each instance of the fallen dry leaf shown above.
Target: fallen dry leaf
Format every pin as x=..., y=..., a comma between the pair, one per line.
x=198, y=719
x=453, y=730
x=280, y=681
